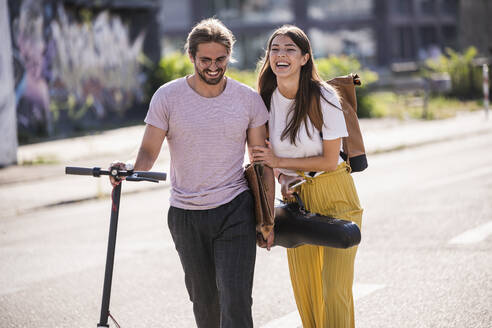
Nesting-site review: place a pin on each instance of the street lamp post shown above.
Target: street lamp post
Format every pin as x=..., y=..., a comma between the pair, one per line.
x=486, y=89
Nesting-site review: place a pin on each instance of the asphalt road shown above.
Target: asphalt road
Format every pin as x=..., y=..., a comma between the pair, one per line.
x=414, y=267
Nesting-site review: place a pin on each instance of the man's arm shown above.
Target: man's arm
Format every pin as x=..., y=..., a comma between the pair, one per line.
x=149, y=148
x=256, y=137
x=147, y=153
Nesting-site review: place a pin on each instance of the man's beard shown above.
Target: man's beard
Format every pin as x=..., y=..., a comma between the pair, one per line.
x=211, y=81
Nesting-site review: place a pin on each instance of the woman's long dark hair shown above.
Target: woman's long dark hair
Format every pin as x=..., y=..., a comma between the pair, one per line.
x=307, y=101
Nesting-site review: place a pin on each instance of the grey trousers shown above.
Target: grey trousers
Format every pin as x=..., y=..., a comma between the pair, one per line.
x=217, y=249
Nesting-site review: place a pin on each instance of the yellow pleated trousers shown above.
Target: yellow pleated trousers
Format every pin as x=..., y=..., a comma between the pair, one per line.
x=322, y=277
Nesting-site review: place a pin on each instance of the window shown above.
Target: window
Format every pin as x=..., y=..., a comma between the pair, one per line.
x=359, y=43
x=404, y=45
x=323, y=9
x=449, y=7
x=251, y=10
x=429, y=45
x=428, y=36
x=449, y=36
x=428, y=7
x=404, y=7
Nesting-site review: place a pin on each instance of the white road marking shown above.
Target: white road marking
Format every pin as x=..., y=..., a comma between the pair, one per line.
x=292, y=320
x=474, y=235
x=361, y=290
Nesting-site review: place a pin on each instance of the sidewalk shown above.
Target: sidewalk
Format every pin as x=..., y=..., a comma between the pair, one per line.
x=27, y=188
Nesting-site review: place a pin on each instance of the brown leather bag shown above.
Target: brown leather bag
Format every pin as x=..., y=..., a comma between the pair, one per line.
x=353, y=146
x=263, y=188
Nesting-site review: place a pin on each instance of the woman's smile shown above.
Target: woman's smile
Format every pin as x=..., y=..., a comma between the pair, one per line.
x=282, y=65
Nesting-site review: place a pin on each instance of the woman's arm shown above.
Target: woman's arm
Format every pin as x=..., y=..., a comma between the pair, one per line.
x=328, y=161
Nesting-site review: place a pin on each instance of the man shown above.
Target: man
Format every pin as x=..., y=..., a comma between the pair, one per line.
x=207, y=119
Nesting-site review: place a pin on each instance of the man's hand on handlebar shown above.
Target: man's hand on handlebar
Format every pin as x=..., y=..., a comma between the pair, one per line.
x=121, y=166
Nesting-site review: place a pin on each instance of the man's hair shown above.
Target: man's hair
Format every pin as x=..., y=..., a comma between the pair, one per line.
x=209, y=30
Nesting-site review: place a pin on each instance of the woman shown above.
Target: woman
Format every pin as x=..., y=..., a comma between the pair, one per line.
x=305, y=129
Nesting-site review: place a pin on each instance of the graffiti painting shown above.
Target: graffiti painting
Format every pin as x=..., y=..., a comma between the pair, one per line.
x=71, y=70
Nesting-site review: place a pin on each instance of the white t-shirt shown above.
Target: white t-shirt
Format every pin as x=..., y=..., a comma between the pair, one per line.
x=333, y=128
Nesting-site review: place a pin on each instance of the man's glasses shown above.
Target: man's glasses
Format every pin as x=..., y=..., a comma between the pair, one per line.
x=206, y=62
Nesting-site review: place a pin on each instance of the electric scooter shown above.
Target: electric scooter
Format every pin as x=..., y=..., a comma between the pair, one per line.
x=116, y=173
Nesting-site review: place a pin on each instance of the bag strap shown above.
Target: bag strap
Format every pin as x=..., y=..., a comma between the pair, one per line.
x=259, y=173
x=300, y=202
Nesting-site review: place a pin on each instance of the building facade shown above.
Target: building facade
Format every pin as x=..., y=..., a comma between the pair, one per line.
x=378, y=32
x=414, y=30
x=475, y=27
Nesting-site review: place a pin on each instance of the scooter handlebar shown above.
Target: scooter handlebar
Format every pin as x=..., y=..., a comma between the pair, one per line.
x=79, y=170
x=152, y=175
x=135, y=175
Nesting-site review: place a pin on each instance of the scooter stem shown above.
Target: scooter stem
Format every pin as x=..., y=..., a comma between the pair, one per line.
x=108, y=275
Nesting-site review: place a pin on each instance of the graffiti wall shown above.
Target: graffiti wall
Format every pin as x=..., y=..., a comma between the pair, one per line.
x=74, y=69
x=8, y=133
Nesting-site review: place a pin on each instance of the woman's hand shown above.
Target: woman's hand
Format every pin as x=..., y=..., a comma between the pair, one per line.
x=286, y=181
x=265, y=155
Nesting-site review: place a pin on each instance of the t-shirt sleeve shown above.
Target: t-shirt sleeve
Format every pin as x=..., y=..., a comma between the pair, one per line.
x=158, y=113
x=334, y=126
x=259, y=112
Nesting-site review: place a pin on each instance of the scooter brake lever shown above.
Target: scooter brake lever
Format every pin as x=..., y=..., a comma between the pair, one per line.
x=135, y=177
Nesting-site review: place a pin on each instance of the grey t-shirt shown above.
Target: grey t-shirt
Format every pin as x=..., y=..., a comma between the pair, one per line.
x=207, y=138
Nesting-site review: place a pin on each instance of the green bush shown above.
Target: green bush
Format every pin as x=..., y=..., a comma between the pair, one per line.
x=177, y=65
x=170, y=67
x=334, y=66
x=174, y=66
x=466, y=79
x=244, y=76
